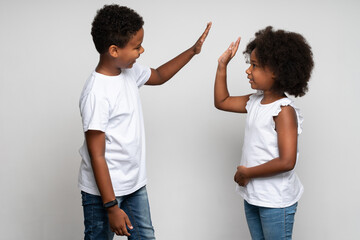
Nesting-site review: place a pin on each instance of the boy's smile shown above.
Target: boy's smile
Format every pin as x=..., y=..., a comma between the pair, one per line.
x=127, y=56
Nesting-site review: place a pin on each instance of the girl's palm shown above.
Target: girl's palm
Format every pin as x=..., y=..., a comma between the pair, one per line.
x=229, y=53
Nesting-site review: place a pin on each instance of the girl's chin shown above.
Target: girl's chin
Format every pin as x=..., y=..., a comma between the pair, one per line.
x=252, y=84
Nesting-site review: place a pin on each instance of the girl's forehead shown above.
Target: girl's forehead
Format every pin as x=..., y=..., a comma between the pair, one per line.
x=253, y=55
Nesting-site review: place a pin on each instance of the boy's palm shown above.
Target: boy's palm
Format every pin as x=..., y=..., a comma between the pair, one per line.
x=201, y=40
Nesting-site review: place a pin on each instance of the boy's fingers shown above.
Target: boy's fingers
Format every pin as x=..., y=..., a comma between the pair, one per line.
x=118, y=232
x=124, y=231
x=128, y=223
x=206, y=32
x=124, y=227
x=207, y=29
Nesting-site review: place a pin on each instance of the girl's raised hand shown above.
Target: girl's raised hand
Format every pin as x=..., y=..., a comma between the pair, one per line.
x=229, y=53
x=201, y=40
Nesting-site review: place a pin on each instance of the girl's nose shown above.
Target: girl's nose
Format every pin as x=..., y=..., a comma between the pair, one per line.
x=248, y=71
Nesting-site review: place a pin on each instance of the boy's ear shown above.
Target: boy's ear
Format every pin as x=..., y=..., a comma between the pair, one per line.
x=114, y=51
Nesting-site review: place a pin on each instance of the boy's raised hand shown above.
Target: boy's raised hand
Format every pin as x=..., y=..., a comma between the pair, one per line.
x=166, y=71
x=198, y=45
x=229, y=53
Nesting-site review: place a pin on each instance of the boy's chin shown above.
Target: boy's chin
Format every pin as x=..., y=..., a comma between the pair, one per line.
x=130, y=65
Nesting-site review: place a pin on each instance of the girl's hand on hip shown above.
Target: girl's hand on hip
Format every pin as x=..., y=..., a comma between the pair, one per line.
x=240, y=177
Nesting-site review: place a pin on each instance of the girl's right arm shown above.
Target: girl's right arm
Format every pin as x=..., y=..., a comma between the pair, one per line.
x=96, y=146
x=222, y=98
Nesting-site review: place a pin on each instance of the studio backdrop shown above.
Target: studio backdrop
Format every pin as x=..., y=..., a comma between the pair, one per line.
x=193, y=149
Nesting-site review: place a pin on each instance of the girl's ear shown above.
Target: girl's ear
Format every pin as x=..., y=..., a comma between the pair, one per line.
x=273, y=75
x=113, y=51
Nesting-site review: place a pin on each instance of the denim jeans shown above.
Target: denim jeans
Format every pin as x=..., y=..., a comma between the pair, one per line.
x=135, y=205
x=270, y=223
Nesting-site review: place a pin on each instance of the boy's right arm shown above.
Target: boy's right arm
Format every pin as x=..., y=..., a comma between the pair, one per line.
x=118, y=219
x=222, y=98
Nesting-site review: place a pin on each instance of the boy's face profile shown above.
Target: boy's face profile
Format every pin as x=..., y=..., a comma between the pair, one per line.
x=126, y=57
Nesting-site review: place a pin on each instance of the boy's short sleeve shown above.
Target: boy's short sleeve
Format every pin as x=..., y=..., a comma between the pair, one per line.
x=94, y=112
x=141, y=74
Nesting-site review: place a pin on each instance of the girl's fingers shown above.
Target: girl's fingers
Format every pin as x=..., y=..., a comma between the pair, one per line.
x=230, y=51
x=235, y=48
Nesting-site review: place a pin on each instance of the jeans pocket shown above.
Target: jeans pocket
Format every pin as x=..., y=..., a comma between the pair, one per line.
x=88, y=199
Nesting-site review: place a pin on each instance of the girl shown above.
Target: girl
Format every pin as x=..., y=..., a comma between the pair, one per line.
x=280, y=62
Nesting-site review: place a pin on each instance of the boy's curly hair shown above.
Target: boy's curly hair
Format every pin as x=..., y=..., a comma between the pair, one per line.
x=114, y=25
x=288, y=55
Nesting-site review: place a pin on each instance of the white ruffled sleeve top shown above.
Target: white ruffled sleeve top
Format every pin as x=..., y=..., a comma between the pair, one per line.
x=261, y=146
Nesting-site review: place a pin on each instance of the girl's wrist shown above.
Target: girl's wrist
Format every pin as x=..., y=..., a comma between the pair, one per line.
x=221, y=66
x=245, y=172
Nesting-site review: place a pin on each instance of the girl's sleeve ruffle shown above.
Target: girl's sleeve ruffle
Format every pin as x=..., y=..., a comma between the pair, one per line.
x=289, y=102
x=252, y=98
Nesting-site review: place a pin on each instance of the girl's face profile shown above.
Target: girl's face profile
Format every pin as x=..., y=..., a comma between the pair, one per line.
x=261, y=77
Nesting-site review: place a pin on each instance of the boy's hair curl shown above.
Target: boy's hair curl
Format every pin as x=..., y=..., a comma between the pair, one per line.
x=114, y=25
x=288, y=55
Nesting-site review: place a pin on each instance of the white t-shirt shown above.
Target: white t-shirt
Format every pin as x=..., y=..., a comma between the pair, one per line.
x=111, y=104
x=261, y=146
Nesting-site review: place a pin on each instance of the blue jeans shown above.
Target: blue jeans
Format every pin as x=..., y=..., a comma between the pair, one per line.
x=270, y=223
x=135, y=205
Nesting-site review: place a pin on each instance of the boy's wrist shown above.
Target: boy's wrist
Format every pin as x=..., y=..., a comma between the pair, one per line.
x=112, y=209
x=192, y=51
x=110, y=204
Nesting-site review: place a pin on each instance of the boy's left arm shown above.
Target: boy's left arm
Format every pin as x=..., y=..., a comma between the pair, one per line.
x=166, y=71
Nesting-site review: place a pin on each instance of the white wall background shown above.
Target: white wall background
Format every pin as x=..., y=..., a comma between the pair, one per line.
x=46, y=54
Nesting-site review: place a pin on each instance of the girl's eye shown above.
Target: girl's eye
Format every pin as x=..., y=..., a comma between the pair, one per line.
x=253, y=65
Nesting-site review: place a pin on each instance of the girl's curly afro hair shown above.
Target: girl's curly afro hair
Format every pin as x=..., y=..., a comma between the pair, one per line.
x=114, y=25
x=288, y=55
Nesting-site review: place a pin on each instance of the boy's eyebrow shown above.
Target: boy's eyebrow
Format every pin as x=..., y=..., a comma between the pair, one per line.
x=138, y=45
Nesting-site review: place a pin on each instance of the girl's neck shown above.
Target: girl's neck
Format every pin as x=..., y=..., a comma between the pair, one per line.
x=270, y=97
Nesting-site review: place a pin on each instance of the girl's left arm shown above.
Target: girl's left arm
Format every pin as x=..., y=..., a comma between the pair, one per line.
x=286, y=128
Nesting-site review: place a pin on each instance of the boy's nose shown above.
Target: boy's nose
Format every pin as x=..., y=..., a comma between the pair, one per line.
x=142, y=50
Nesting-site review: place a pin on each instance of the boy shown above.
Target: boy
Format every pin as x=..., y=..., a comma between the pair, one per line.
x=112, y=176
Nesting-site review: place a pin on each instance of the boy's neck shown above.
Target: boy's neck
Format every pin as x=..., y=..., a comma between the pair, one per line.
x=107, y=67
